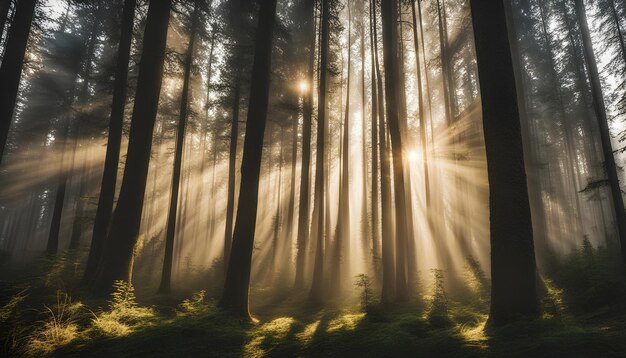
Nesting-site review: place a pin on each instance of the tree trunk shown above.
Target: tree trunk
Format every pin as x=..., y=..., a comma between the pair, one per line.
x=236, y=288
x=342, y=235
x=390, y=51
x=375, y=228
x=387, y=250
x=111, y=161
x=307, y=119
x=119, y=248
x=317, y=287
x=232, y=160
x=365, y=235
x=605, y=134
x=166, y=276
x=12, y=64
x=512, y=251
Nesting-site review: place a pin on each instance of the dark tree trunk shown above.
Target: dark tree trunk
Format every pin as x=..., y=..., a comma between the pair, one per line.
x=235, y=295
x=365, y=235
x=342, y=235
x=111, y=161
x=166, y=275
x=390, y=51
x=387, y=247
x=317, y=287
x=605, y=134
x=513, y=269
x=12, y=64
x=232, y=160
x=375, y=228
x=117, y=255
x=307, y=119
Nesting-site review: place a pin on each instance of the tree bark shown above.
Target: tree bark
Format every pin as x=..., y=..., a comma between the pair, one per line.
x=236, y=288
x=375, y=227
x=513, y=270
x=117, y=255
x=166, y=276
x=232, y=162
x=305, y=171
x=390, y=51
x=317, y=288
x=114, y=142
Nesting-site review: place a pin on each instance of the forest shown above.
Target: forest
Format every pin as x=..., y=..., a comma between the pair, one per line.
x=306, y=178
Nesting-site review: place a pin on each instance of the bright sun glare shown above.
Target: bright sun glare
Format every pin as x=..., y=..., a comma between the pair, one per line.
x=304, y=86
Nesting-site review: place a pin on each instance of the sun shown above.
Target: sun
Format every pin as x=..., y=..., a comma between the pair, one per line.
x=303, y=86
x=412, y=155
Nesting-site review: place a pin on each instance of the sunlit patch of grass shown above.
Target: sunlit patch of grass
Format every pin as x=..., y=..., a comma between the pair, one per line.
x=58, y=329
x=553, y=302
x=307, y=334
x=124, y=315
x=346, y=322
x=474, y=333
x=267, y=334
x=197, y=305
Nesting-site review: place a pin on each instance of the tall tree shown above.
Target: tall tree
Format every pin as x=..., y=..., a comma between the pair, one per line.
x=117, y=255
x=375, y=227
x=307, y=119
x=389, y=10
x=513, y=269
x=232, y=162
x=605, y=134
x=12, y=64
x=166, y=276
x=342, y=229
x=317, y=288
x=236, y=287
x=111, y=161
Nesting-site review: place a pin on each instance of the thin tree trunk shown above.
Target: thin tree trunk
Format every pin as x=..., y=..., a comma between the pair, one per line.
x=342, y=228
x=307, y=119
x=317, y=287
x=166, y=275
x=605, y=134
x=390, y=51
x=232, y=160
x=387, y=250
x=364, y=218
x=375, y=228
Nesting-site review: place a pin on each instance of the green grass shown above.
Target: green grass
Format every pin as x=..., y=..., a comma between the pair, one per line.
x=352, y=334
x=584, y=316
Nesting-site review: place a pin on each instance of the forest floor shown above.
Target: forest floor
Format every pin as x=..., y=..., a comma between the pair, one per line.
x=586, y=317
